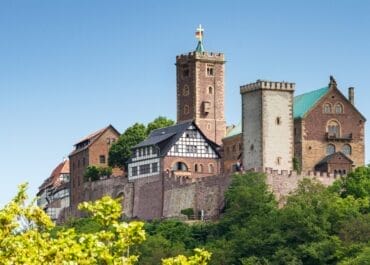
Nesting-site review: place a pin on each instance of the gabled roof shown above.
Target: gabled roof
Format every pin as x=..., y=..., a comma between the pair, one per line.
x=305, y=102
x=53, y=179
x=91, y=138
x=166, y=137
x=333, y=155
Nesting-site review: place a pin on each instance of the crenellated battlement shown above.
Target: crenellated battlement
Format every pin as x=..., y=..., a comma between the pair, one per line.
x=202, y=56
x=267, y=85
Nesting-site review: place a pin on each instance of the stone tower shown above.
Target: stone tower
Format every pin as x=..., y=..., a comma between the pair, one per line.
x=267, y=122
x=200, y=90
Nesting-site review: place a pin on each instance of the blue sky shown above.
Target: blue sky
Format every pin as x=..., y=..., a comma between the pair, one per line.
x=68, y=68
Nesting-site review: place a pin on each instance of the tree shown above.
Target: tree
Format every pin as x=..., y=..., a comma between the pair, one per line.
x=158, y=123
x=28, y=236
x=201, y=257
x=94, y=173
x=356, y=183
x=120, y=151
x=27, y=231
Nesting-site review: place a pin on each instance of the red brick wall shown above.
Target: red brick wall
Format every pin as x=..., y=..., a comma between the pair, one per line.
x=212, y=123
x=232, y=149
x=91, y=156
x=314, y=140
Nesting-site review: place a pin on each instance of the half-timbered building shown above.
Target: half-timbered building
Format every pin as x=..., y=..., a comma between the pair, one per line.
x=178, y=150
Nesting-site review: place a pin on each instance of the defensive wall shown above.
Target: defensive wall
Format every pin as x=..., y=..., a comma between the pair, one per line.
x=164, y=196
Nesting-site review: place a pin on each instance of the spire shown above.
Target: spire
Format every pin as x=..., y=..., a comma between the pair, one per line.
x=199, y=36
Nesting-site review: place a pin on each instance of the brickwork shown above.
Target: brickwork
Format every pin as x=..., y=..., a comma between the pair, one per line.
x=232, y=151
x=206, y=166
x=200, y=92
x=164, y=196
x=311, y=132
x=80, y=159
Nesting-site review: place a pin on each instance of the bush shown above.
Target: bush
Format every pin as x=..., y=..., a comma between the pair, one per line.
x=189, y=212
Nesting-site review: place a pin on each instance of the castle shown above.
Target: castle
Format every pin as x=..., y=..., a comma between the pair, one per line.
x=320, y=134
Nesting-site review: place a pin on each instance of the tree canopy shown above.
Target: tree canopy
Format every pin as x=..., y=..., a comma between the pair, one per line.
x=120, y=151
x=28, y=236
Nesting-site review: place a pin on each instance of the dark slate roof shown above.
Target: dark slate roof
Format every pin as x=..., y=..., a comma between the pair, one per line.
x=166, y=137
x=154, y=140
x=329, y=157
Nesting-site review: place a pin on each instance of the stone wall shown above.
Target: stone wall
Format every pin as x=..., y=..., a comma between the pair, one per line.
x=164, y=196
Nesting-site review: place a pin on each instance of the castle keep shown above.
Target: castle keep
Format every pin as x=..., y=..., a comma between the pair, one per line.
x=319, y=134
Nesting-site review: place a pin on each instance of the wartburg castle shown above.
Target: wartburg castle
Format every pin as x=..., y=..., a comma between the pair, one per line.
x=319, y=134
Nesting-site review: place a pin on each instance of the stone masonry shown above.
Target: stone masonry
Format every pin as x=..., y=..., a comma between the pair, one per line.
x=200, y=92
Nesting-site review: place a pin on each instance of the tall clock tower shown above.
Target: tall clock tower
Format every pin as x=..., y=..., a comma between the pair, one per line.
x=200, y=89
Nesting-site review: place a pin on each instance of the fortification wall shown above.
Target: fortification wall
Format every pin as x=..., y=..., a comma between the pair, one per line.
x=164, y=196
x=114, y=187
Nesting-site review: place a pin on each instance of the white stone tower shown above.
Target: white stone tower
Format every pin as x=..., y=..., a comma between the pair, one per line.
x=267, y=121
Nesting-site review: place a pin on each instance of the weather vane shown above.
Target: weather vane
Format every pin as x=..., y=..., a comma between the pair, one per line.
x=199, y=33
x=199, y=36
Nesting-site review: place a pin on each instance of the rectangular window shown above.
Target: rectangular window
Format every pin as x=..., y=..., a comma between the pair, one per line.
x=210, y=70
x=191, y=148
x=134, y=171
x=154, y=167
x=144, y=169
x=102, y=159
x=153, y=150
x=177, y=148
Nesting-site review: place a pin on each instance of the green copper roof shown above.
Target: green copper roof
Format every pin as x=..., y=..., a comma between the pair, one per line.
x=303, y=103
x=200, y=47
x=234, y=131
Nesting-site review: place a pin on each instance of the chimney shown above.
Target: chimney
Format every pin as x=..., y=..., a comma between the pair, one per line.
x=351, y=95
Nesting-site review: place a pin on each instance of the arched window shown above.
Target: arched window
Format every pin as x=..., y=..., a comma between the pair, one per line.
x=196, y=167
x=185, y=90
x=327, y=108
x=330, y=149
x=211, y=168
x=333, y=129
x=338, y=108
x=186, y=109
x=347, y=149
x=210, y=90
x=180, y=166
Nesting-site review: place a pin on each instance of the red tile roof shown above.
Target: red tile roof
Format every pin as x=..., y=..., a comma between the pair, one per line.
x=53, y=180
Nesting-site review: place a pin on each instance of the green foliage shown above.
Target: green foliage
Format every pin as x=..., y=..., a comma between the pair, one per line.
x=158, y=123
x=27, y=231
x=120, y=151
x=94, y=173
x=189, y=212
x=28, y=236
x=201, y=257
x=356, y=183
x=297, y=165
